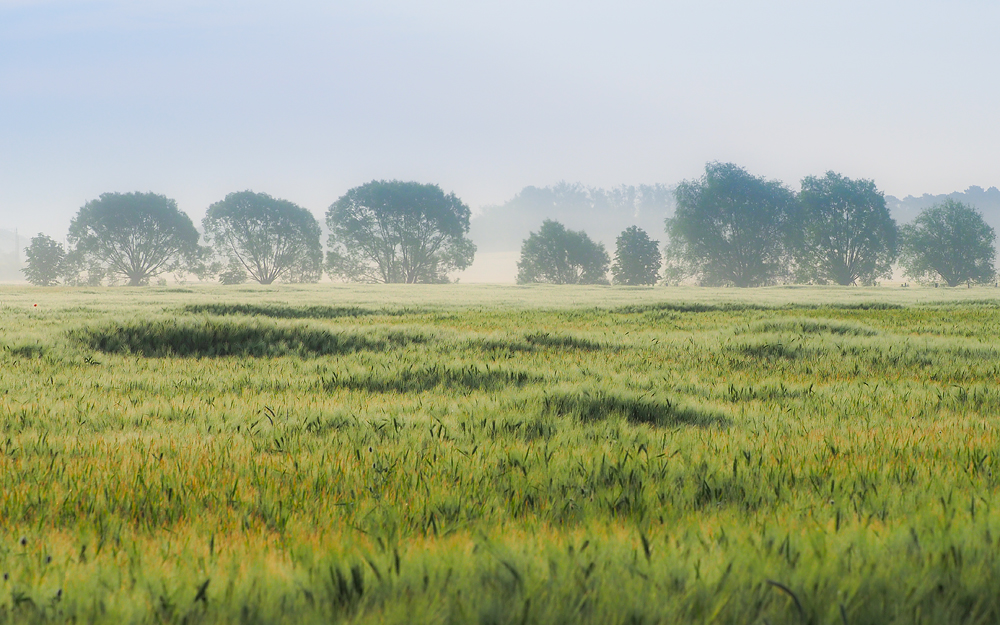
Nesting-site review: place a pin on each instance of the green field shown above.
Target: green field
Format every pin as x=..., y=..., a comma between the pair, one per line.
x=473, y=454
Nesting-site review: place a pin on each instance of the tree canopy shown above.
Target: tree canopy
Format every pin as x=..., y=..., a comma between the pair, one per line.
x=731, y=228
x=637, y=258
x=135, y=235
x=560, y=256
x=949, y=240
x=847, y=232
x=393, y=231
x=46, y=261
x=266, y=237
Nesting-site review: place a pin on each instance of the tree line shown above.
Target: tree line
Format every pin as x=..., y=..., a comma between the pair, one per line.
x=383, y=231
x=729, y=228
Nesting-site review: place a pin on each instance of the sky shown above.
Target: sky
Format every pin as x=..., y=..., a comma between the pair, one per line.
x=304, y=100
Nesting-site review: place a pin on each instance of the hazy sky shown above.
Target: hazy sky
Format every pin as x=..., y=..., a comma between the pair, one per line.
x=304, y=100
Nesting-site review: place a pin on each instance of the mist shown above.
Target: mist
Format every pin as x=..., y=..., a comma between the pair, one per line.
x=196, y=100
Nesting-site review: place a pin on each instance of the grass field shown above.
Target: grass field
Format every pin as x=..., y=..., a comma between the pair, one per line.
x=473, y=454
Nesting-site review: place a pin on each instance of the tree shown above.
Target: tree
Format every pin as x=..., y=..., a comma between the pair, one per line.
x=949, y=240
x=266, y=237
x=637, y=258
x=46, y=261
x=135, y=235
x=731, y=228
x=393, y=231
x=847, y=232
x=560, y=256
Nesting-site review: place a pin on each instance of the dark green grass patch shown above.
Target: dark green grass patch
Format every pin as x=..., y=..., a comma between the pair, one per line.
x=729, y=307
x=860, y=306
x=496, y=346
x=810, y=326
x=979, y=303
x=213, y=338
x=767, y=392
x=687, y=307
x=415, y=379
x=563, y=341
x=595, y=404
x=534, y=341
x=280, y=311
x=27, y=350
x=769, y=350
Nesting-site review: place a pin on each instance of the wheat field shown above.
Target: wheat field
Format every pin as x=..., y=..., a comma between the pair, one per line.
x=499, y=454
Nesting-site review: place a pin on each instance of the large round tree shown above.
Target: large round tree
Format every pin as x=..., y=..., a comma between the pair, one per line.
x=847, y=232
x=731, y=228
x=951, y=241
x=557, y=255
x=637, y=258
x=46, y=261
x=135, y=235
x=267, y=237
x=393, y=231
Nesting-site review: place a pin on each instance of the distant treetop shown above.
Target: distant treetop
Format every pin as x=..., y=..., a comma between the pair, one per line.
x=731, y=228
x=950, y=241
x=135, y=235
x=394, y=231
x=265, y=237
x=560, y=256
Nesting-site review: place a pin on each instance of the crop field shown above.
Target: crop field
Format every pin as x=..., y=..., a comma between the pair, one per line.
x=473, y=454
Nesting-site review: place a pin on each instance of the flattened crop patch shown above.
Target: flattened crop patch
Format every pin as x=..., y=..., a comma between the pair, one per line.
x=280, y=311
x=211, y=338
x=423, y=378
x=812, y=326
x=593, y=404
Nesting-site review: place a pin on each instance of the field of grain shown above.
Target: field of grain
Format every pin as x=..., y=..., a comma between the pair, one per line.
x=473, y=454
